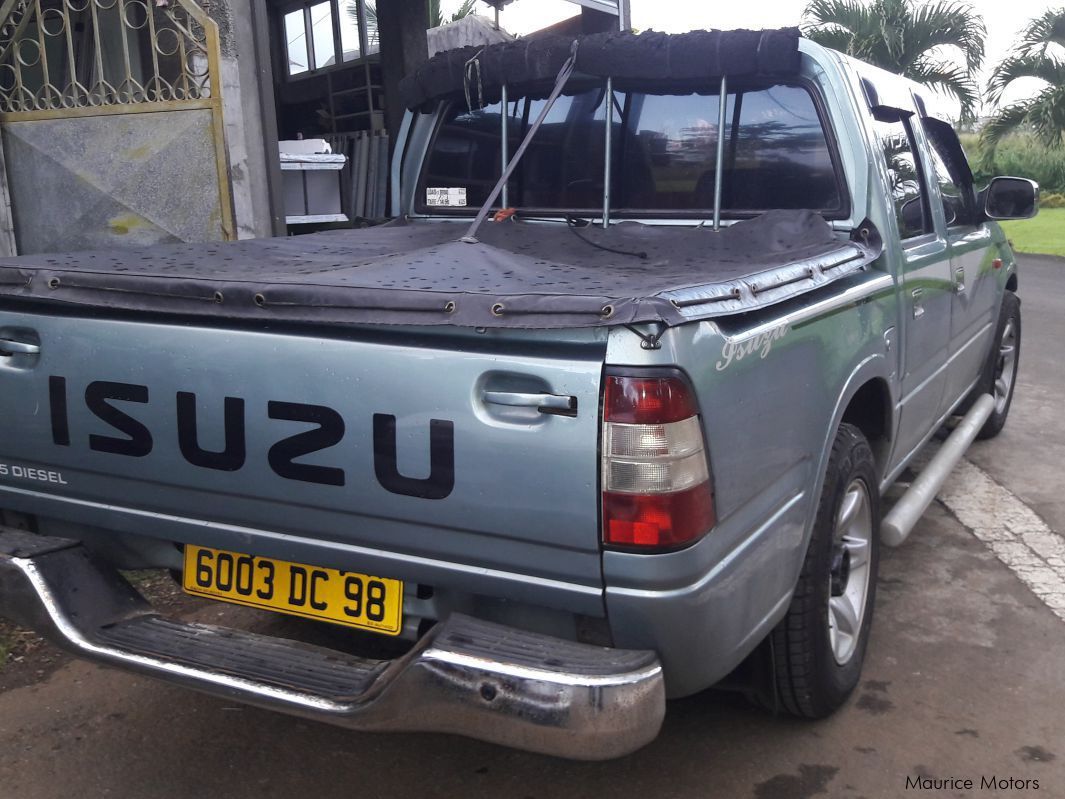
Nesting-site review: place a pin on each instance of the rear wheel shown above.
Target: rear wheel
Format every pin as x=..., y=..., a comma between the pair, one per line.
x=1000, y=372
x=817, y=650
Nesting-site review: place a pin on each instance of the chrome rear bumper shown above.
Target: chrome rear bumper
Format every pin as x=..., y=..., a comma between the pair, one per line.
x=465, y=676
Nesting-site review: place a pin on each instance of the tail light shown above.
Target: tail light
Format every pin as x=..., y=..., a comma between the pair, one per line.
x=656, y=477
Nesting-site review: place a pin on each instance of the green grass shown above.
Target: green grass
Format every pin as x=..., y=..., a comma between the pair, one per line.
x=1044, y=235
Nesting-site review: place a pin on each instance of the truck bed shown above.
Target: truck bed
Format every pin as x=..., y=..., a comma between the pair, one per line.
x=517, y=274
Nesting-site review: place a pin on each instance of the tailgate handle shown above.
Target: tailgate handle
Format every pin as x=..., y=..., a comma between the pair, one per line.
x=10, y=347
x=554, y=404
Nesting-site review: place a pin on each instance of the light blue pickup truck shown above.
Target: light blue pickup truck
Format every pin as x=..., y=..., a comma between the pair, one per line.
x=602, y=417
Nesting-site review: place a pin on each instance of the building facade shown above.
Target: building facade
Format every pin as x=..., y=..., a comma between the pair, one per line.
x=134, y=122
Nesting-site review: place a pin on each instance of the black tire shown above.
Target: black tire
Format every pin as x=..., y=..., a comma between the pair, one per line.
x=806, y=679
x=1010, y=314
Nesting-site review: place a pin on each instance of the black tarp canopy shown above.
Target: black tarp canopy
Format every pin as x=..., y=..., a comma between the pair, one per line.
x=517, y=274
x=642, y=59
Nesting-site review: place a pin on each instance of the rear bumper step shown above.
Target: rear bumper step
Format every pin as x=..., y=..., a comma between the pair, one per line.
x=465, y=676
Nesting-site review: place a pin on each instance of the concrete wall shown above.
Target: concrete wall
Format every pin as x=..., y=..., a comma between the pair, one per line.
x=113, y=180
x=404, y=46
x=168, y=196
x=244, y=116
x=7, y=223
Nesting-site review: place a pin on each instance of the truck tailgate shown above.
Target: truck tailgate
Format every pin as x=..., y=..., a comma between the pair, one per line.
x=373, y=450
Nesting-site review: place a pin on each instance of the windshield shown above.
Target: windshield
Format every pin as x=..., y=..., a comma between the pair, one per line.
x=663, y=154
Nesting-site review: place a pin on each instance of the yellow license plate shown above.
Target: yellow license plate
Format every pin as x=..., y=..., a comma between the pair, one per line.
x=349, y=598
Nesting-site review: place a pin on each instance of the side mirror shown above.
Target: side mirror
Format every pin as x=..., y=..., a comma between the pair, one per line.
x=1010, y=198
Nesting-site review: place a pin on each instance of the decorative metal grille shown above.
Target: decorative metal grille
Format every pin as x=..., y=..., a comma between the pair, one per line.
x=60, y=55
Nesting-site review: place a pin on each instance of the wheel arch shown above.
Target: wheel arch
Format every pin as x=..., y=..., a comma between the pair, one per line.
x=864, y=394
x=870, y=410
x=867, y=401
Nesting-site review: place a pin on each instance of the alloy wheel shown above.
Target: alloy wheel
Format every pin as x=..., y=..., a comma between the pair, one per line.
x=849, y=573
x=1006, y=367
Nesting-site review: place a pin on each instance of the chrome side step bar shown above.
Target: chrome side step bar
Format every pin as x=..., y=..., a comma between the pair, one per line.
x=899, y=523
x=465, y=676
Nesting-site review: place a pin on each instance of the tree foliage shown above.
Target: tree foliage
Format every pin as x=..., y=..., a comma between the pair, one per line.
x=1044, y=31
x=1038, y=57
x=434, y=18
x=908, y=38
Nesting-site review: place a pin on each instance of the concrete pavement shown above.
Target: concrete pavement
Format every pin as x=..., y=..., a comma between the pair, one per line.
x=1026, y=456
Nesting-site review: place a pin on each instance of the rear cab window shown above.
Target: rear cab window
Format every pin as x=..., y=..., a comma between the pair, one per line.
x=778, y=154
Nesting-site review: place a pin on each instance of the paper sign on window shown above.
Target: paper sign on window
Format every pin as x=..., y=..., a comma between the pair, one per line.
x=452, y=197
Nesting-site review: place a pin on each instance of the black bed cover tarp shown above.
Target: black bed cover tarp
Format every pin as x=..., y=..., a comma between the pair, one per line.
x=640, y=58
x=518, y=274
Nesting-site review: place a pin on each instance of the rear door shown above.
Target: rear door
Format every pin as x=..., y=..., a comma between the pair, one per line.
x=974, y=283
x=926, y=284
x=406, y=454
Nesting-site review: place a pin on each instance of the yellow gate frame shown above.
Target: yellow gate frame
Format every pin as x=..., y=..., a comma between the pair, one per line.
x=186, y=37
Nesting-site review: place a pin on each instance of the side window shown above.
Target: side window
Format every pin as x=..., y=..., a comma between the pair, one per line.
x=907, y=189
x=953, y=205
x=952, y=173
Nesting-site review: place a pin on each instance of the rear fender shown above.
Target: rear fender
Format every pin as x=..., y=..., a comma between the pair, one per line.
x=873, y=367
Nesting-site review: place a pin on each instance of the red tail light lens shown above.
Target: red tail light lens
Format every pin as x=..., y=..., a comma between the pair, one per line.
x=647, y=400
x=658, y=520
x=655, y=473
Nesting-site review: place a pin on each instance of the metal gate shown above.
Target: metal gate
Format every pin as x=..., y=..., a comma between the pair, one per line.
x=111, y=115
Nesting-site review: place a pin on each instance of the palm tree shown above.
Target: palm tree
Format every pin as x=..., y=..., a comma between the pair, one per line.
x=908, y=38
x=435, y=18
x=1044, y=31
x=1043, y=113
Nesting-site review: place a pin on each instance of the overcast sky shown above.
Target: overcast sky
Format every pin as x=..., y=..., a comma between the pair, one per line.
x=1004, y=18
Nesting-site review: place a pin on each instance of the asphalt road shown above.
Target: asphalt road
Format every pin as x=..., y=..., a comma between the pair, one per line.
x=964, y=679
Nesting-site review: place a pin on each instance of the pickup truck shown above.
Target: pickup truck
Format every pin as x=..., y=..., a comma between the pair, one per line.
x=602, y=417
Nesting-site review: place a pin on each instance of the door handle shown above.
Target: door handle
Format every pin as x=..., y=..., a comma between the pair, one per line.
x=555, y=404
x=918, y=309
x=959, y=280
x=10, y=347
